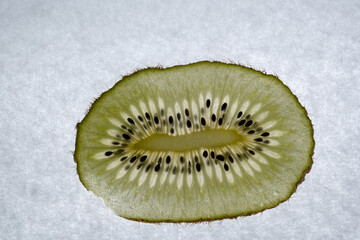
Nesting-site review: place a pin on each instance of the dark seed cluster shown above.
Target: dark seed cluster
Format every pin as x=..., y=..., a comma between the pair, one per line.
x=131, y=126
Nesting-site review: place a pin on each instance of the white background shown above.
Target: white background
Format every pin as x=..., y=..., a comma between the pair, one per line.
x=57, y=56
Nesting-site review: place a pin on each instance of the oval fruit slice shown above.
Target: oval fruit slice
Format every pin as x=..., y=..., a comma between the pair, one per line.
x=197, y=142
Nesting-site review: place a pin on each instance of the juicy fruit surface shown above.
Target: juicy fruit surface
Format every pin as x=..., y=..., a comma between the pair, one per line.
x=196, y=142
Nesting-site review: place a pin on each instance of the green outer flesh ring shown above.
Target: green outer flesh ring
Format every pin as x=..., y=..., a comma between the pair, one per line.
x=235, y=215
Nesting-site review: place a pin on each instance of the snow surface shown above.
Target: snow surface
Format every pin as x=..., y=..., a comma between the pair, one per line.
x=57, y=56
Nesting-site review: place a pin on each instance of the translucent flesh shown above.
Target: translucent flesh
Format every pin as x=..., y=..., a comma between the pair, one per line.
x=250, y=184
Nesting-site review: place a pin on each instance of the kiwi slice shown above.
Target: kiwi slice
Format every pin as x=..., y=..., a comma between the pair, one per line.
x=197, y=142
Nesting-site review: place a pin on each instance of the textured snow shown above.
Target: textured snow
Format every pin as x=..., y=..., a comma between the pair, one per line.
x=57, y=56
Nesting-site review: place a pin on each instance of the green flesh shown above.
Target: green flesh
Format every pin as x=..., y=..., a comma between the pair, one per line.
x=142, y=145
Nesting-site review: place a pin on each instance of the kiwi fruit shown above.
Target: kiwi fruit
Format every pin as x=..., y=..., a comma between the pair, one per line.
x=197, y=142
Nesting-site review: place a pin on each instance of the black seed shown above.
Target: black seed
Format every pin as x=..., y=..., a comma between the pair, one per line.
x=223, y=107
x=182, y=170
x=187, y=113
x=248, y=116
x=131, y=121
x=220, y=121
x=239, y=156
x=144, y=126
x=181, y=159
x=259, y=129
x=258, y=148
x=265, y=134
x=196, y=159
x=246, y=156
x=239, y=114
x=115, y=143
x=203, y=122
x=251, y=152
x=127, y=167
x=120, y=151
x=212, y=154
x=148, y=168
x=251, y=132
x=127, y=137
x=266, y=141
x=178, y=115
x=143, y=158
x=168, y=159
x=147, y=115
x=164, y=122
x=133, y=159
x=189, y=170
x=213, y=118
x=174, y=170
x=160, y=160
x=162, y=112
x=150, y=124
x=123, y=158
x=231, y=159
x=226, y=167
x=189, y=163
x=171, y=120
x=172, y=131
x=208, y=102
x=248, y=124
x=123, y=127
x=167, y=168
x=108, y=153
x=205, y=154
x=140, y=119
x=198, y=168
x=220, y=157
x=258, y=139
x=188, y=124
x=139, y=166
x=131, y=131
x=157, y=167
x=156, y=120
x=241, y=122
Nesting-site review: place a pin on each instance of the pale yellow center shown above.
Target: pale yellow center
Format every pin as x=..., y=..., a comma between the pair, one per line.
x=210, y=138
